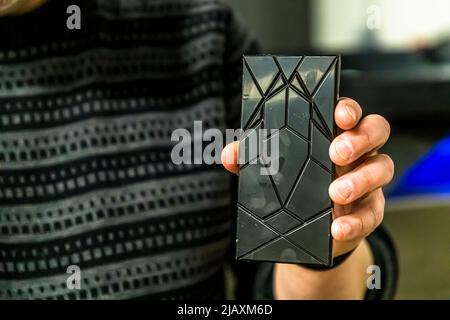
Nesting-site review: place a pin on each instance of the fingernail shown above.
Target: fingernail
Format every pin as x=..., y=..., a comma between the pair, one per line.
x=341, y=230
x=344, y=149
x=351, y=112
x=343, y=188
x=345, y=229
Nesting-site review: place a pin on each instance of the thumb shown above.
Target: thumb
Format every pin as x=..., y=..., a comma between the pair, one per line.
x=229, y=157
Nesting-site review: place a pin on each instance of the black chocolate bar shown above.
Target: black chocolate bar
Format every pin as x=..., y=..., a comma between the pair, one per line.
x=285, y=215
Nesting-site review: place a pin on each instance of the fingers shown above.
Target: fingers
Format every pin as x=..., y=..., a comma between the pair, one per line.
x=365, y=217
x=373, y=173
x=370, y=134
x=229, y=157
x=347, y=113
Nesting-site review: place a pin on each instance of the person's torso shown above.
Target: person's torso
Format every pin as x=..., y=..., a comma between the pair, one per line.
x=86, y=176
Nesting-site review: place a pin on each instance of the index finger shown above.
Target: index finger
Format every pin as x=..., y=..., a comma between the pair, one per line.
x=347, y=113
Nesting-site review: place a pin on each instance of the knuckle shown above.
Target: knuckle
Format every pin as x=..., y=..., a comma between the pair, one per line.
x=375, y=216
x=382, y=200
x=388, y=164
x=359, y=225
x=381, y=121
x=366, y=140
x=387, y=125
x=365, y=180
x=378, y=121
x=377, y=209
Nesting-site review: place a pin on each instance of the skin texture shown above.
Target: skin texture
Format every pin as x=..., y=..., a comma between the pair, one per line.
x=358, y=206
x=347, y=281
x=18, y=7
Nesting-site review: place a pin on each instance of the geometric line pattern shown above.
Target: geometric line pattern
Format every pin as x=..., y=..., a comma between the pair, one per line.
x=286, y=216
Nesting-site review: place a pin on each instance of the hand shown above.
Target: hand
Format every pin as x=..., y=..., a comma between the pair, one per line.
x=361, y=172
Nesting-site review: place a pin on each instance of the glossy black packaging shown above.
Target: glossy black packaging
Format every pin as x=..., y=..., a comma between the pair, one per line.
x=285, y=215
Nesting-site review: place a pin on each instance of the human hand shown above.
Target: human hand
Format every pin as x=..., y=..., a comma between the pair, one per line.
x=361, y=172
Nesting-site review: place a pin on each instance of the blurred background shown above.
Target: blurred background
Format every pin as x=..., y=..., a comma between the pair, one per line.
x=395, y=62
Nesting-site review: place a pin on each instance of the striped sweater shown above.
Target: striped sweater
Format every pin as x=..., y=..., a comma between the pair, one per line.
x=86, y=177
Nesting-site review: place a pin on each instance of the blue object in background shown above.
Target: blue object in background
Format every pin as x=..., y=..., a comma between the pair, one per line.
x=430, y=175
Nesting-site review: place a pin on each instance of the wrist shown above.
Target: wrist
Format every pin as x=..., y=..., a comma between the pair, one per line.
x=346, y=281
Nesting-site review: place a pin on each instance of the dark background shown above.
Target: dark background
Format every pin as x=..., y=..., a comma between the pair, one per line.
x=400, y=70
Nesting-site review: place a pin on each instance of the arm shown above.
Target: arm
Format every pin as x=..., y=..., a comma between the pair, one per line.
x=358, y=209
x=347, y=281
